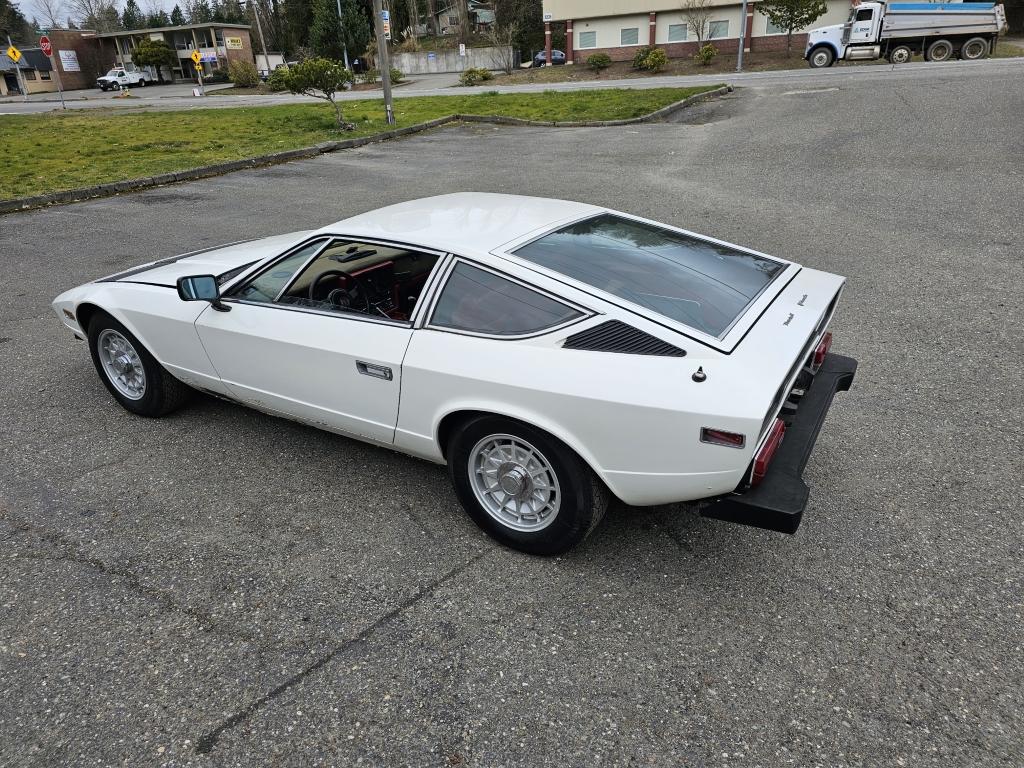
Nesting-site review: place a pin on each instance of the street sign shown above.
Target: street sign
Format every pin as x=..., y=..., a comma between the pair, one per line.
x=44, y=43
x=14, y=54
x=387, y=29
x=196, y=56
x=385, y=16
x=462, y=49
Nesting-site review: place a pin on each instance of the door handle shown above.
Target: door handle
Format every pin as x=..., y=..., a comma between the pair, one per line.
x=376, y=371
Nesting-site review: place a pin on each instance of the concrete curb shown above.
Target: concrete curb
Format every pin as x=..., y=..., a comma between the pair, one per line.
x=218, y=169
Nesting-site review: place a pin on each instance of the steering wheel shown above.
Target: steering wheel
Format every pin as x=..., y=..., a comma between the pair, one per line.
x=352, y=295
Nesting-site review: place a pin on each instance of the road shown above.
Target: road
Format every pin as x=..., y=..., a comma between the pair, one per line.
x=222, y=588
x=440, y=85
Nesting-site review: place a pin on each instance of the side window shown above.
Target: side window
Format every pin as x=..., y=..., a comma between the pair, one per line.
x=267, y=286
x=479, y=301
x=864, y=14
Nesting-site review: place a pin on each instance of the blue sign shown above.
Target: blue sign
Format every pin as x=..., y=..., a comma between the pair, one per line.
x=385, y=16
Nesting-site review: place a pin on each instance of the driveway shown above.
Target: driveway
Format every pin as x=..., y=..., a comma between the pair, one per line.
x=222, y=588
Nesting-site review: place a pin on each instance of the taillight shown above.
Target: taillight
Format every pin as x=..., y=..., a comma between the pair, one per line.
x=822, y=350
x=764, y=456
x=721, y=437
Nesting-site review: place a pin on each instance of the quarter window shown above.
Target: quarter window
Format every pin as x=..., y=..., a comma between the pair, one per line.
x=479, y=301
x=677, y=33
x=717, y=29
x=588, y=39
x=629, y=36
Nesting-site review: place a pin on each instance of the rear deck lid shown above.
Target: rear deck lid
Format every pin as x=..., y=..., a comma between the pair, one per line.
x=707, y=289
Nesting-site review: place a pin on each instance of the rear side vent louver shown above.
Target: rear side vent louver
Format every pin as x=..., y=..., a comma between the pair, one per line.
x=616, y=336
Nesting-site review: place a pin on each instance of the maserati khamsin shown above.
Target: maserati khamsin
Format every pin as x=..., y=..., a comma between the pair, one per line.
x=553, y=354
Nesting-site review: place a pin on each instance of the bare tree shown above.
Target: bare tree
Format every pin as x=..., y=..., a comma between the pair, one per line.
x=100, y=15
x=414, y=21
x=502, y=40
x=51, y=12
x=465, y=22
x=432, y=18
x=698, y=15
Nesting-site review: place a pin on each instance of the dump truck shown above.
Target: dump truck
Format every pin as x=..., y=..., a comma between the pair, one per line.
x=898, y=31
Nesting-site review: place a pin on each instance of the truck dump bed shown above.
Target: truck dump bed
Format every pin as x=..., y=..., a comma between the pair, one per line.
x=934, y=19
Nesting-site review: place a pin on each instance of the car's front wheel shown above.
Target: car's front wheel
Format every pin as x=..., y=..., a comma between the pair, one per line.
x=524, y=487
x=131, y=374
x=821, y=57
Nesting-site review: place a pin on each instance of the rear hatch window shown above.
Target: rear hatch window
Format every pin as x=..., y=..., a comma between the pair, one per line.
x=704, y=285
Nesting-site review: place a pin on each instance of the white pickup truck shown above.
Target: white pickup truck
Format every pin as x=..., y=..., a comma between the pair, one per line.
x=118, y=78
x=899, y=30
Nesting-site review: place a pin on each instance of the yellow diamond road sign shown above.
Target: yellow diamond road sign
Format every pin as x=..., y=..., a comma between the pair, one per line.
x=196, y=56
x=14, y=54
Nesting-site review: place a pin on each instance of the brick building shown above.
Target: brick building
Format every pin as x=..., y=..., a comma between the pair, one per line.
x=82, y=55
x=619, y=27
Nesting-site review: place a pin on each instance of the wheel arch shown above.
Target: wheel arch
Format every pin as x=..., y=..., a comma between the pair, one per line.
x=450, y=421
x=825, y=44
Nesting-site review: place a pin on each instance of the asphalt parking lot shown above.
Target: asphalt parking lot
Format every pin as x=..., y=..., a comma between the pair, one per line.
x=225, y=588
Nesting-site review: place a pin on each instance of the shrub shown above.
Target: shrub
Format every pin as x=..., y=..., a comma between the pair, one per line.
x=278, y=80
x=322, y=79
x=655, y=60
x=475, y=75
x=397, y=75
x=216, y=76
x=599, y=61
x=640, y=56
x=370, y=76
x=705, y=54
x=243, y=74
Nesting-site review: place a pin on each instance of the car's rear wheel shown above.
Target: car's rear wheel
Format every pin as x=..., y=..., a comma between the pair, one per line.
x=131, y=374
x=523, y=487
x=142, y=82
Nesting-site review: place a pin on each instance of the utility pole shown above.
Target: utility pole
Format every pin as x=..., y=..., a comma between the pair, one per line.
x=259, y=28
x=743, y=36
x=344, y=46
x=383, y=59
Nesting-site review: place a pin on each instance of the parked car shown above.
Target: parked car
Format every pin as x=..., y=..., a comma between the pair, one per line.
x=553, y=354
x=557, y=57
x=118, y=78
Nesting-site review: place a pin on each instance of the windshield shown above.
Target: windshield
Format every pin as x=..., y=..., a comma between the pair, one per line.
x=700, y=284
x=112, y=73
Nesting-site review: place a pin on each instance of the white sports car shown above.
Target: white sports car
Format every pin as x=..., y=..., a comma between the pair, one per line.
x=552, y=353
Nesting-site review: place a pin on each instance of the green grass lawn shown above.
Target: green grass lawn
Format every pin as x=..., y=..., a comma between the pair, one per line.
x=59, y=151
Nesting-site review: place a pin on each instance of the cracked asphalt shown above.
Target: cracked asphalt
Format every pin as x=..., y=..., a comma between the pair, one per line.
x=222, y=588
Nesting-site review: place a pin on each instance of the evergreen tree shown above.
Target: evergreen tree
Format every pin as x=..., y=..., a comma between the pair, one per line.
x=355, y=27
x=325, y=30
x=132, y=16
x=158, y=19
x=17, y=26
x=177, y=17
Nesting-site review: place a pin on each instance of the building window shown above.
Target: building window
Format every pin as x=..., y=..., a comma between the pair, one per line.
x=30, y=74
x=771, y=29
x=677, y=33
x=717, y=29
x=588, y=39
x=629, y=36
x=44, y=75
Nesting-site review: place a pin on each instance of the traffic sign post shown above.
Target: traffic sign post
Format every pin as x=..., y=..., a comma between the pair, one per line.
x=382, y=20
x=15, y=55
x=197, y=59
x=47, y=47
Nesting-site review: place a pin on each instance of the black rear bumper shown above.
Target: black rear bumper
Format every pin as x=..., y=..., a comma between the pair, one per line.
x=778, y=503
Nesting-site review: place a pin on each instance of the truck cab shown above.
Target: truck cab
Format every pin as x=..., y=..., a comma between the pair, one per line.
x=855, y=39
x=119, y=78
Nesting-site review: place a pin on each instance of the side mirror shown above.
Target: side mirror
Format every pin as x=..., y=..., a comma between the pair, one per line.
x=201, y=288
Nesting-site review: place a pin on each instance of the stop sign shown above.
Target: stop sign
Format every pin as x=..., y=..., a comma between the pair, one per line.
x=44, y=43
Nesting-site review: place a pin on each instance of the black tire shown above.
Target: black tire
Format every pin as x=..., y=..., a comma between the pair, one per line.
x=163, y=393
x=142, y=82
x=974, y=49
x=821, y=57
x=940, y=50
x=583, y=498
x=901, y=54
